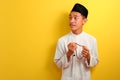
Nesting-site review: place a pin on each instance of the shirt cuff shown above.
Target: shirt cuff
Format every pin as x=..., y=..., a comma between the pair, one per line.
x=65, y=62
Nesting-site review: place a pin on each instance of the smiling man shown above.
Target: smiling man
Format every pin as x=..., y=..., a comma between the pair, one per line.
x=76, y=52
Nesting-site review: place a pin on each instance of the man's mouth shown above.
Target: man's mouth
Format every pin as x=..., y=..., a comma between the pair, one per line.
x=72, y=25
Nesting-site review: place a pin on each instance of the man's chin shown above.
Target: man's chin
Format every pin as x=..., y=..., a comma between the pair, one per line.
x=73, y=29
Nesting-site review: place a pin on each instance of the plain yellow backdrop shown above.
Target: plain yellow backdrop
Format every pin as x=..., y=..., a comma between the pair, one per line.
x=29, y=30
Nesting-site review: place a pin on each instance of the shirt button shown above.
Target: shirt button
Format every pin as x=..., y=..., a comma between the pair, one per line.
x=74, y=55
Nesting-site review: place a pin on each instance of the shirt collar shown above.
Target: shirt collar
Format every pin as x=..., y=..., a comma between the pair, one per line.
x=77, y=34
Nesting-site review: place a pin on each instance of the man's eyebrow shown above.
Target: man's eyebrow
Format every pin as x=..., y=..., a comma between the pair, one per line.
x=74, y=15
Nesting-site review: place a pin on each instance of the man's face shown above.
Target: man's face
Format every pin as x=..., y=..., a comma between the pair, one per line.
x=76, y=21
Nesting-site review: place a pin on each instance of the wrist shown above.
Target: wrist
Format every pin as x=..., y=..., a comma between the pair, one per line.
x=88, y=59
x=69, y=53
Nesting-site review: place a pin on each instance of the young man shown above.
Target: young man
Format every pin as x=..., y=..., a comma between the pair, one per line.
x=76, y=52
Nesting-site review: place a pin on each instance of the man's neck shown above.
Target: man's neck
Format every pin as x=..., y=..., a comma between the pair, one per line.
x=77, y=32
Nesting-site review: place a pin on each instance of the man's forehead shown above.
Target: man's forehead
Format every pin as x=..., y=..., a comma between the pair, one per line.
x=74, y=14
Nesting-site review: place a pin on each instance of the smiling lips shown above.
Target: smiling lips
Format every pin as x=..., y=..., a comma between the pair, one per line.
x=72, y=25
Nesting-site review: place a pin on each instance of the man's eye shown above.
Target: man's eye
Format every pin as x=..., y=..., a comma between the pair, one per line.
x=75, y=17
x=70, y=17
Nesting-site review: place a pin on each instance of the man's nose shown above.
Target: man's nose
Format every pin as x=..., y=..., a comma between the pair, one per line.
x=72, y=20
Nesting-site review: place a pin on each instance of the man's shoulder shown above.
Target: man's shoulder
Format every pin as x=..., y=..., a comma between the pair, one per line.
x=64, y=37
x=91, y=37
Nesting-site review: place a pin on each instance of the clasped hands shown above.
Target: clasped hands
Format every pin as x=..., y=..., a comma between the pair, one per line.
x=73, y=46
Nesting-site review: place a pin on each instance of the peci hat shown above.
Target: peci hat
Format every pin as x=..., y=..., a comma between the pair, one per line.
x=81, y=9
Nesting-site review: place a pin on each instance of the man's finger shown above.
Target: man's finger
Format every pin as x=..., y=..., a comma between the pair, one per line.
x=85, y=48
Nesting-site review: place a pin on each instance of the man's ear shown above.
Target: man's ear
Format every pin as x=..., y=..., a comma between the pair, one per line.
x=85, y=20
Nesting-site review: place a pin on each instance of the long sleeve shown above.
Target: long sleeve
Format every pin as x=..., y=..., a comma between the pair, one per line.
x=60, y=55
x=93, y=55
x=77, y=68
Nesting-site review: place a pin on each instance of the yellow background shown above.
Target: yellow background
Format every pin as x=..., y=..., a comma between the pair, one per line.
x=29, y=30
